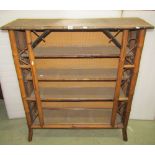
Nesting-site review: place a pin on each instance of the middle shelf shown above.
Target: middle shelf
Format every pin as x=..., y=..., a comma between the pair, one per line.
x=76, y=91
x=105, y=74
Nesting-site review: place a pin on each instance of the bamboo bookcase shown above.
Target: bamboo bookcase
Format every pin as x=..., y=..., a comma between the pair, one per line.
x=77, y=73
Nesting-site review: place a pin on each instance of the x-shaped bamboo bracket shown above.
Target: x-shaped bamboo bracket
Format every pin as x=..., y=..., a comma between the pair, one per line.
x=40, y=38
x=112, y=38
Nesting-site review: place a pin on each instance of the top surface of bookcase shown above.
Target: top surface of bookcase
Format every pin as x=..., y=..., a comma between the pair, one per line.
x=79, y=24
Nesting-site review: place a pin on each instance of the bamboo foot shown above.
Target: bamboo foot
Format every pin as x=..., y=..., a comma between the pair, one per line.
x=124, y=133
x=30, y=134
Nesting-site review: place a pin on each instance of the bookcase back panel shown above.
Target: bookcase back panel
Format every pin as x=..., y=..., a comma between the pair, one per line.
x=77, y=63
x=76, y=84
x=62, y=39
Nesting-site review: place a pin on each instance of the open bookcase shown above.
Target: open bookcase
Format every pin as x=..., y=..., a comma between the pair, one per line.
x=77, y=73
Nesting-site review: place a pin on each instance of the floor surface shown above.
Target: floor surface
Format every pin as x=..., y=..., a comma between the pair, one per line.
x=15, y=132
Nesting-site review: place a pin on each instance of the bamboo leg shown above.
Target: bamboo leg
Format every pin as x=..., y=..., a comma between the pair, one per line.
x=30, y=134
x=124, y=133
x=19, y=75
x=119, y=76
x=140, y=43
x=34, y=77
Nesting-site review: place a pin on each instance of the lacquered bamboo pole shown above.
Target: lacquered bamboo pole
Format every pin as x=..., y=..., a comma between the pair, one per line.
x=128, y=66
x=34, y=78
x=19, y=75
x=25, y=66
x=78, y=125
x=141, y=38
x=119, y=76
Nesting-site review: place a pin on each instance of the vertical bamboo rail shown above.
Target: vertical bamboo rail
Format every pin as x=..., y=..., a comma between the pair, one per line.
x=20, y=78
x=34, y=78
x=141, y=38
x=119, y=76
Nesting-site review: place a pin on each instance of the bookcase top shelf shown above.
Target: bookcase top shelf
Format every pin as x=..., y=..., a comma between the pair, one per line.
x=78, y=24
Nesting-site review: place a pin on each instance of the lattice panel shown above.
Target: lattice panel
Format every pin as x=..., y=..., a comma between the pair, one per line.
x=131, y=48
x=128, y=71
x=122, y=109
x=33, y=110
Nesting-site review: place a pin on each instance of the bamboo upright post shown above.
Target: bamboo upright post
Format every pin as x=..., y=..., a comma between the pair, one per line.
x=34, y=77
x=141, y=37
x=20, y=79
x=119, y=76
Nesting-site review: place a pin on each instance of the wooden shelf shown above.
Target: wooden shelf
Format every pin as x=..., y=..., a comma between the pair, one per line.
x=77, y=118
x=77, y=24
x=77, y=94
x=50, y=74
x=77, y=52
x=77, y=105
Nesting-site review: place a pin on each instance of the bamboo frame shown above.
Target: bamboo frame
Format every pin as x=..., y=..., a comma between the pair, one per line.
x=20, y=79
x=82, y=126
x=41, y=123
x=121, y=66
x=119, y=76
x=141, y=38
x=35, y=80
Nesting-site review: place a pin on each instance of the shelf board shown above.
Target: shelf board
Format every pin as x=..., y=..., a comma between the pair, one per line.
x=77, y=24
x=77, y=94
x=77, y=105
x=90, y=118
x=77, y=52
x=101, y=74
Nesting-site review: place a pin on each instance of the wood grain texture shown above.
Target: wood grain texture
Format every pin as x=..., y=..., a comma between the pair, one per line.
x=79, y=24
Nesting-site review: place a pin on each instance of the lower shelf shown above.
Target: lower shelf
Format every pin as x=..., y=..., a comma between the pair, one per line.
x=90, y=118
x=77, y=94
